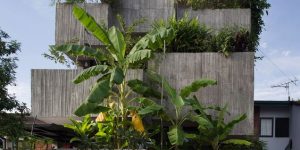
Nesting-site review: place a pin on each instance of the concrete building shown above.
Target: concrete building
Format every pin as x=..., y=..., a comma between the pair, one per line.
x=55, y=97
x=277, y=123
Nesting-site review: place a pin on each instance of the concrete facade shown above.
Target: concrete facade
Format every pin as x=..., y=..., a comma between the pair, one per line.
x=68, y=29
x=55, y=97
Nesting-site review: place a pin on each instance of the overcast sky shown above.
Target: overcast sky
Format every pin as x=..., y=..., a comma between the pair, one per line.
x=31, y=22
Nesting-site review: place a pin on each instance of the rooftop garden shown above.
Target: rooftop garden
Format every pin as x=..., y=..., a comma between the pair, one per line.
x=258, y=9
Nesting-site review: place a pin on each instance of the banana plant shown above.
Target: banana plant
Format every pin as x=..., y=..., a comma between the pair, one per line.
x=84, y=131
x=179, y=100
x=213, y=130
x=112, y=61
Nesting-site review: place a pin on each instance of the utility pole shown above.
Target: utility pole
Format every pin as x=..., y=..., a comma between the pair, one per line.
x=286, y=85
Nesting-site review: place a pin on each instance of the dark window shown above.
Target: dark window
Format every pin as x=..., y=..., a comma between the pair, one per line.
x=266, y=127
x=282, y=127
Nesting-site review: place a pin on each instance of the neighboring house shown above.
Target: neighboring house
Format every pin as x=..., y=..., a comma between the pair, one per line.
x=277, y=123
x=58, y=133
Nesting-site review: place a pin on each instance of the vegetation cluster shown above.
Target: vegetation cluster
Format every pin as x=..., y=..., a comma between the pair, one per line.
x=125, y=106
x=191, y=36
x=258, y=9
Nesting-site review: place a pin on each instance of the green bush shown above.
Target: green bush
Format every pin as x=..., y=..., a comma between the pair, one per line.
x=231, y=40
x=258, y=9
x=191, y=36
x=256, y=145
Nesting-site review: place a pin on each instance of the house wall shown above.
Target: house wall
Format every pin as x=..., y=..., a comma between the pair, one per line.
x=151, y=10
x=219, y=18
x=53, y=94
x=67, y=28
x=275, y=143
x=295, y=124
x=235, y=76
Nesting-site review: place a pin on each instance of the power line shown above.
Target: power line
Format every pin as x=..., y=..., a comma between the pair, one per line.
x=285, y=85
x=269, y=59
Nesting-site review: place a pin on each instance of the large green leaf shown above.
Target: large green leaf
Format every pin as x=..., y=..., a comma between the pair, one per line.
x=194, y=102
x=139, y=56
x=74, y=139
x=178, y=101
x=144, y=101
x=203, y=123
x=91, y=25
x=195, y=86
x=79, y=50
x=148, y=106
x=161, y=81
x=221, y=117
x=90, y=108
x=237, y=142
x=175, y=99
x=90, y=72
x=142, y=88
x=70, y=126
x=235, y=121
x=176, y=135
x=154, y=39
x=99, y=92
x=117, y=75
x=150, y=109
x=226, y=130
x=118, y=42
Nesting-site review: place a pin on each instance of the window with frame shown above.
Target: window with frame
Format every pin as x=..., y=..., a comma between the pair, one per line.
x=282, y=127
x=266, y=127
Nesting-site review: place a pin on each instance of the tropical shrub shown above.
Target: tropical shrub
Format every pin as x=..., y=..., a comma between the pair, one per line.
x=231, y=40
x=213, y=130
x=258, y=9
x=256, y=145
x=176, y=134
x=191, y=36
x=84, y=132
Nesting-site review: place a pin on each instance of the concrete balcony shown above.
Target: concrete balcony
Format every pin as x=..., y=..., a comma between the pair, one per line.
x=68, y=29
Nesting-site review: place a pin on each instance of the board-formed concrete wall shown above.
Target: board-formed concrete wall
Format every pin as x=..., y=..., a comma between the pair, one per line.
x=219, y=18
x=68, y=28
x=54, y=95
x=151, y=10
x=235, y=77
